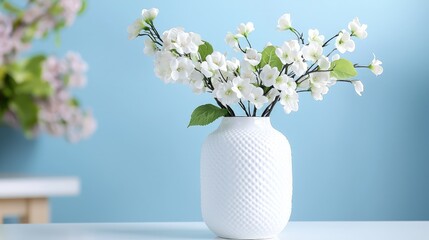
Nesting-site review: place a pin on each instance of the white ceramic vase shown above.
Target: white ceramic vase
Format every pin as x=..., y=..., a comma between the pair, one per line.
x=246, y=179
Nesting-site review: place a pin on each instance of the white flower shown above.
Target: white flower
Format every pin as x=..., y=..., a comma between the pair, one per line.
x=232, y=65
x=150, y=47
x=344, y=43
x=312, y=52
x=299, y=67
x=289, y=100
x=284, y=22
x=357, y=29
x=135, y=28
x=196, y=82
x=288, y=51
x=242, y=87
x=77, y=68
x=256, y=97
x=253, y=57
x=216, y=61
x=324, y=63
x=245, y=29
x=190, y=42
x=358, y=87
x=149, y=15
x=205, y=69
x=232, y=41
x=162, y=65
x=268, y=75
x=314, y=37
x=181, y=41
x=335, y=57
x=70, y=10
x=319, y=84
x=170, y=39
x=284, y=83
x=181, y=69
x=272, y=94
x=248, y=71
x=225, y=94
x=376, y=67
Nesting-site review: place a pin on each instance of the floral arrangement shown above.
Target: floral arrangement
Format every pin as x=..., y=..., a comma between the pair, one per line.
x=35, y=91
x=262, y=79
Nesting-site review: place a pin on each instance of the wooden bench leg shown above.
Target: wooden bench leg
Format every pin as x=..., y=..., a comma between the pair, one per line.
x=33, y=210
x=37, y=211
x=12, y=207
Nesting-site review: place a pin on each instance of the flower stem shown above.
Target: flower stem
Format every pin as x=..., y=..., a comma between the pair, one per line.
x=327, y=42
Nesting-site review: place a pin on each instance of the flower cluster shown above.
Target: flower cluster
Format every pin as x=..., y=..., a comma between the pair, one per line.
x=59, y=114
x=262, y=78
x=36, y=94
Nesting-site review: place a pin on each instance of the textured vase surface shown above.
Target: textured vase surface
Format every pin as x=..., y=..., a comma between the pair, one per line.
x=246, y=179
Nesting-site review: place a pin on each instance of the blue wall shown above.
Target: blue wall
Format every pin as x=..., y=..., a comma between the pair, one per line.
x=355, y=158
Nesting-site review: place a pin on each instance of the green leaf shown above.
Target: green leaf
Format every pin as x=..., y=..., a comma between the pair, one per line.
x=35, y=87
x=206, y=114
x=26, y=111
x=269, y=57
x=74, y=102
x=205, y=50
x=83, y=7
x=3, y=71
x=34, y=64
x=342, y=69
x=11, y=8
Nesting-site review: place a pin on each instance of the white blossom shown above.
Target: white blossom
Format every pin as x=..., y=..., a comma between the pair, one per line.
x=162, y=65
x=216, y=61
x=314, y=37
x=268, y=75
x=324, y=63
x=242, y=87
x=312, y=52
x=232, y=65
x=149, y=14
x=299, y=67
x=196, y=82
x=375, y=66
x=205, y=69
x=357, y=29
x=150, y=47
x=284, y=22
x=181, y=41
x=335, y=57
x=256, y=97
x=284, y=83
x=344, y=43
x=77, y=68
x=247, y=71
x=358, y=87
x=70, y=9
x=232, y=41
x=319, y=84
x=272, y=94
x=289, y=100
x=181, y=69
x=245, y=29
x=225, y=94
x=288, y=51
x=253, y=56
x=135, y=28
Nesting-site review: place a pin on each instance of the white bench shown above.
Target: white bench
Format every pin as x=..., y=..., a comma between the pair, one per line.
x=27, y=197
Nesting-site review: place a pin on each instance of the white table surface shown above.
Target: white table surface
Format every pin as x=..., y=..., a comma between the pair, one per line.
x=33, y=187
x=198, y=231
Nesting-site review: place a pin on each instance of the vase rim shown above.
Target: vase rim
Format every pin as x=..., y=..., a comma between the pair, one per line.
x=243, y=117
